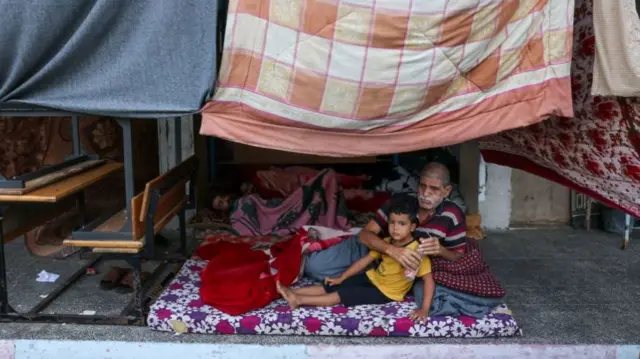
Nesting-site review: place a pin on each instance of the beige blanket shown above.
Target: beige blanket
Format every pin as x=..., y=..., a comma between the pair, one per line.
x=616, y=70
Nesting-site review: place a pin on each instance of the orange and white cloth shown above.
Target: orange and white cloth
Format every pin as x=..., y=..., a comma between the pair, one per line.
x=367, y=77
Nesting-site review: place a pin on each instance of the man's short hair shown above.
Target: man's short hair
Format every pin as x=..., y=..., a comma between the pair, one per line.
x=437, y=170
x=403, y=203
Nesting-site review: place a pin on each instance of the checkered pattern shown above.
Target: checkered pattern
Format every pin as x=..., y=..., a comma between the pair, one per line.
x=470, y=274
x=382, y=60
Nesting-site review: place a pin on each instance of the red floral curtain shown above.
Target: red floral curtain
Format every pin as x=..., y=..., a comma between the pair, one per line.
x=595, y=152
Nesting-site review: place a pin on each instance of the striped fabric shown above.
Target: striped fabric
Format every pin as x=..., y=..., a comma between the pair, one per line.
x=366, y=77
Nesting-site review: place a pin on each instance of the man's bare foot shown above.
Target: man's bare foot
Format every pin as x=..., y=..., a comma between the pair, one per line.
x=288, y=295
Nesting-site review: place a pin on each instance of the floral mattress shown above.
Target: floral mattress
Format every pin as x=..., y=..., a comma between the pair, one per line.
x=179, y=309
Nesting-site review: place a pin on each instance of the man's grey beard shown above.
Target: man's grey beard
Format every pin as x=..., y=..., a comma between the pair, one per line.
x=434, y=204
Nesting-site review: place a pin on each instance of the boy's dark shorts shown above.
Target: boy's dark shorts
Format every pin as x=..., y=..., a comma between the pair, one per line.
x=358, y=290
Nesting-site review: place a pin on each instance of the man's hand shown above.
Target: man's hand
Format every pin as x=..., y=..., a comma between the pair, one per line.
x=333, y=281
x=430, y=247
x=406, y=257
x=419, y=315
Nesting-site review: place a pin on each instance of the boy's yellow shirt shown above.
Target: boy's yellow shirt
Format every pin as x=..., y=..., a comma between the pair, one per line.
x=389, y=276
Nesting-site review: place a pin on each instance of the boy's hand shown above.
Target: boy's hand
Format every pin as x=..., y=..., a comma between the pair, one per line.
x=419, y=315
x=333, y=281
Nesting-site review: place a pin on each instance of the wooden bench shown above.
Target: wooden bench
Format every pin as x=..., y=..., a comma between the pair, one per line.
x=130, y=236
x=163, y=198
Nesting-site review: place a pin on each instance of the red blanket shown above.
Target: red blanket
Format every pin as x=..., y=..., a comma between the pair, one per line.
x=239, y=279
x=210, y=247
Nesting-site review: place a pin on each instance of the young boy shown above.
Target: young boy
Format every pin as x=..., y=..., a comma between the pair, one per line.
x=384, y=284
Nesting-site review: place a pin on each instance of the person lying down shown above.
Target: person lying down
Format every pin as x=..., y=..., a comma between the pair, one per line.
x=386, y=283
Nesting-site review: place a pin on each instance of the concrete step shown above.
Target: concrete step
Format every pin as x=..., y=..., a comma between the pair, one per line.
x=54, y=349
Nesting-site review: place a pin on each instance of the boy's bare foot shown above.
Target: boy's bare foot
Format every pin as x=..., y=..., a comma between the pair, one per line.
x=281, y=289
x=288, y=295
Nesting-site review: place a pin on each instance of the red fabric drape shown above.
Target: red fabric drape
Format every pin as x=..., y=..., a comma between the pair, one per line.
x=594, y=152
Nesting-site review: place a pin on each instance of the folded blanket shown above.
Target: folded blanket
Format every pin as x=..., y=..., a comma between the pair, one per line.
x=470, y=274
x=449, y=302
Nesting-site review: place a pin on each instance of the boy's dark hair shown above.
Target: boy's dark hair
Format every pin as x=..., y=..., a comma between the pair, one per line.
x=404, y=204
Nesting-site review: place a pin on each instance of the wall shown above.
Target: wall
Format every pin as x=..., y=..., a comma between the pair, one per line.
x=495, y=199
x=537, y=201
x=514, y=198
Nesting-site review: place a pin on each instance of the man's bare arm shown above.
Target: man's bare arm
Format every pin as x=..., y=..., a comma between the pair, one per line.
x=370, y=237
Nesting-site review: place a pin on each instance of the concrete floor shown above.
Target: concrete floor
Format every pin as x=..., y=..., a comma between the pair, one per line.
x=564, y=286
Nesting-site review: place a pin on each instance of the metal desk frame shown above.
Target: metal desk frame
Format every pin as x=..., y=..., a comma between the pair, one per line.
x=128, y=316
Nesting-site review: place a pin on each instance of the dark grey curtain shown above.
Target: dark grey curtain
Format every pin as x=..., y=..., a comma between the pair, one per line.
x=134, y=58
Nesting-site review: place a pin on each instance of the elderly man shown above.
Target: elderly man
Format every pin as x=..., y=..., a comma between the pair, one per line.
x=441, y=228
x=442, y=231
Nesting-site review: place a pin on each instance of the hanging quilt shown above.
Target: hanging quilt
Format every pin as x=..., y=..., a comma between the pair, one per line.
x=367, y=77
x=616, y=68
